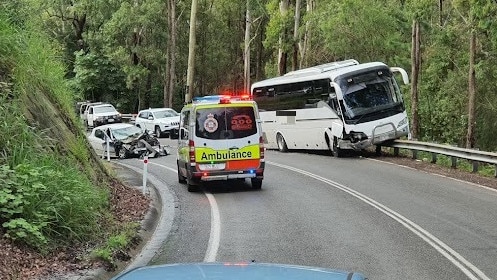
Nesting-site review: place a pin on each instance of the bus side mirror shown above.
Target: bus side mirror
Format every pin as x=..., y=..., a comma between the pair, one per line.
x=405, y=77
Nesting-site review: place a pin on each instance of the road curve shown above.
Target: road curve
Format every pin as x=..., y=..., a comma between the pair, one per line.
x=382, y=220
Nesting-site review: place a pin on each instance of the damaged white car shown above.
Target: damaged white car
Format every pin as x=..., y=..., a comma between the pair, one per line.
x=125, y=141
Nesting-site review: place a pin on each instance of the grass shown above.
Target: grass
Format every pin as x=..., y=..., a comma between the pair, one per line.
x=115, y=244
x=51, y=196
x=484, y=169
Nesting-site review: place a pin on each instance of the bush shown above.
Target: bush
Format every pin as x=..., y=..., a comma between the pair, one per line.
x=43, y=204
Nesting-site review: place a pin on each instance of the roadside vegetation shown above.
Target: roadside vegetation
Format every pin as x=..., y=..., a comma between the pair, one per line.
x=55, y=194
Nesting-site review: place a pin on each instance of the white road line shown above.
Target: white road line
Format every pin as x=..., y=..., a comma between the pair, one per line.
x=215, y=233
x=215, y=236
x=459, y=261
x=436, y=174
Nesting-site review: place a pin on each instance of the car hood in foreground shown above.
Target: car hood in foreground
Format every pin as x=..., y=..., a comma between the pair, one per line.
x=238, y=271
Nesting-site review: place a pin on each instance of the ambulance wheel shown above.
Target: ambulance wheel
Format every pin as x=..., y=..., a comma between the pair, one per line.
x=181, y=178
x=193, y=188
x=256, y=183
x=192, y=185
x=282, y=147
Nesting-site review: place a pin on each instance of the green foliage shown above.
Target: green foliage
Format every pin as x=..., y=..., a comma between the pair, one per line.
x=48, y=204
x=97, y=78
x=46, y=201
x=18, y=142
x=21, y=230
x=363, y=30
x=115, y=244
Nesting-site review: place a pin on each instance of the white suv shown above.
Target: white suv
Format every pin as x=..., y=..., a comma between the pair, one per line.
x=102, y=114
x=163, y=121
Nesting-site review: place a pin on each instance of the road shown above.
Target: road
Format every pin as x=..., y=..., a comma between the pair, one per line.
x=356, y=214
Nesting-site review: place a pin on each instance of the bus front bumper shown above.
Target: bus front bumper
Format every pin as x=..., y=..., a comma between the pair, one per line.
x=374, y=140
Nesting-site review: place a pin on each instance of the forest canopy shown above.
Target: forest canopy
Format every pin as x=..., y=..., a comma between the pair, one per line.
x=134, y=53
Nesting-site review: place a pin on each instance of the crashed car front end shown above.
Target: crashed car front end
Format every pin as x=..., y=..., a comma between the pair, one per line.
x=139, y=146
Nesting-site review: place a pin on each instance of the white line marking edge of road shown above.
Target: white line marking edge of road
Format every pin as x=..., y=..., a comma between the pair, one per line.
x=215, y=232
x=459, y=261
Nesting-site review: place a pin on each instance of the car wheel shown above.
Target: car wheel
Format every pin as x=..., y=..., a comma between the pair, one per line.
x=282, y=147
x=123, y=154
x=256, y=183
x=157, y=132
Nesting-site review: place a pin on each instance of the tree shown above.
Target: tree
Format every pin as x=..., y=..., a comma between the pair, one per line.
x=191, y=52
x=416, y=64
x=170, y=79
x=246, y=51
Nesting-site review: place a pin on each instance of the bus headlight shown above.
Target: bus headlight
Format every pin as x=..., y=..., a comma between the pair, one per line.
x=402, y=122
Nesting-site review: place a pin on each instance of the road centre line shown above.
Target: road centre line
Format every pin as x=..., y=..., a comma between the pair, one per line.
x=471, y=271
x=215, y=232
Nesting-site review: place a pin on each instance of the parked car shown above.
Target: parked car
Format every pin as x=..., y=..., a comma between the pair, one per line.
x=240, y=270
x=163, y=121
x=125, y=140
x=102, y=114
x=83, y=109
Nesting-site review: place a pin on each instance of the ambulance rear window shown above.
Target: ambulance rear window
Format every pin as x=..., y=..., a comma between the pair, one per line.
x=225, y=122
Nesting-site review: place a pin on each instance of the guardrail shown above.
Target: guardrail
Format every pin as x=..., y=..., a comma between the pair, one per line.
x=474, y=156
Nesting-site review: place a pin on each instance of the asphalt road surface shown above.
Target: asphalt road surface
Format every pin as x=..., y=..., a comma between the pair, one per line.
x=355, y=214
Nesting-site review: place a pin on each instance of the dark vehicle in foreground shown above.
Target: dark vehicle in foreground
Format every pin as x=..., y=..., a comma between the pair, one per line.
x=125, y=140
x=238, y=271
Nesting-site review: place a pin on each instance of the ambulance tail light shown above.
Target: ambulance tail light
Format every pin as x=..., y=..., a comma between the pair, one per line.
x=261, y=148
x=191, y=150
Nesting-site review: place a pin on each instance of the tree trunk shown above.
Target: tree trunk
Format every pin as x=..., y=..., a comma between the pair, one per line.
x=172, y=51
x=307, y=37
x=282, y=54
x=191, y=52
x=416, y=62
x=246, y=53
x=296, y=36
x=259, y=68
x=470, y=136
x=440, y=12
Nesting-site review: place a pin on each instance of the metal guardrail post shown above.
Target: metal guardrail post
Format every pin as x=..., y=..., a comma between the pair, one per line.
x=433, y=157
x=475, y=166
x=476, y=157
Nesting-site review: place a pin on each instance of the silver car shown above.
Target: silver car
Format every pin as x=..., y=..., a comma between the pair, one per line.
x=125, y=140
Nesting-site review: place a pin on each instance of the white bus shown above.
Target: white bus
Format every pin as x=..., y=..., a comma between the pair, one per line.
x=336, y=106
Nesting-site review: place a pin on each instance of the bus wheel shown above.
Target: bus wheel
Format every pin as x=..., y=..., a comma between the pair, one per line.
x=281, y=143
x=335, y=150
x=377, y=151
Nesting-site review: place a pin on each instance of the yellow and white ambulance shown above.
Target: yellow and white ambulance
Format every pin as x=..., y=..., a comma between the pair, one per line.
x=220, y=138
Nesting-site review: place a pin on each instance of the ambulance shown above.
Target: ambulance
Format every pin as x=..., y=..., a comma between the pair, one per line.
x=220, y=138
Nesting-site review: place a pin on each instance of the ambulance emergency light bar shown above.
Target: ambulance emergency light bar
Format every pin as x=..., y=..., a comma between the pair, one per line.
x=220, y=98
